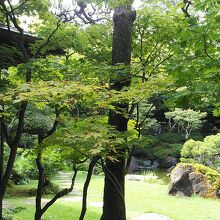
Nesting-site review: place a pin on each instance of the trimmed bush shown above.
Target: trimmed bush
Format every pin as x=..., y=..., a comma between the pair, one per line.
x=206, y=152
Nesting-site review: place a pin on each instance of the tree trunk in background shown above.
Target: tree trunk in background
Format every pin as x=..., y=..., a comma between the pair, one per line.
x=86, y=186
x=1, y=167
x=114, y=204
x=38, y=210
x=12, y=155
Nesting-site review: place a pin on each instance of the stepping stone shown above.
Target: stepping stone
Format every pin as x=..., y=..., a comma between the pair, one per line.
x=96, y=204
x=151, y=216
x=31, y=201
x=72, y=198
x=7, y=205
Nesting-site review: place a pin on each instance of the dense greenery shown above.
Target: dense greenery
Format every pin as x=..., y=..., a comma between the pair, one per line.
x=72, y=94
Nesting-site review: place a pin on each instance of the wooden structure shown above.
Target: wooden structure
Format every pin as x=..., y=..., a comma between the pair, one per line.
x=8, y=37
x=10, y=54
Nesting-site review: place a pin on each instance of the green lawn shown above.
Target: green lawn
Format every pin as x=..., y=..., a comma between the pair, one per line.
x=141, y=197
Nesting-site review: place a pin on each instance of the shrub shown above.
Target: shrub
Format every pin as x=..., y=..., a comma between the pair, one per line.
x=21, y=170
x=196, y=136
x=161, y=152
x=25, y=167
x=205, y=152
x=167, y=144
x=165, y=150
x=213, y=176
x=171, y=138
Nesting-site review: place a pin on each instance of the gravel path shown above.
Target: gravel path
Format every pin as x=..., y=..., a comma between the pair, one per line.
x=7, y=205
x=64, y=181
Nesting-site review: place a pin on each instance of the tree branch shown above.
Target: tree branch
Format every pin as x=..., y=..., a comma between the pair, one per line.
x=19, y=6
x=147, y=114
x=55, y=124
x=160, y=62
x=206, y=46
x=186, y=7
x=131, y=110
x=86, y=185
x=61, y=193
x=36, y=54
x=8, y=140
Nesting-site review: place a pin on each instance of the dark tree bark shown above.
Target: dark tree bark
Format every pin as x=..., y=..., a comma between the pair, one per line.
x=1, y=166
x=13, y=144
x=86, y=186
x=39, y=209
x=1, y=151
x=114, y=204
x=61, y=193
x=13, y=150
x=40, y=168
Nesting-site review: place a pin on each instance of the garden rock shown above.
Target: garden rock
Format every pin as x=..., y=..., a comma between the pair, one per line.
x=155, y=165
x=186, y=181
x=133, y=165
x=168, y=162
x=147, y=163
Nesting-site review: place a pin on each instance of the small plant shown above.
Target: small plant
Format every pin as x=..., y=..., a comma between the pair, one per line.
x=151, y=177
x=149, y=173
x=10, y=211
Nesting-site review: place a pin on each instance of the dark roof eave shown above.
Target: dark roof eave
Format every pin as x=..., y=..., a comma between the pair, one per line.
x=7, y=36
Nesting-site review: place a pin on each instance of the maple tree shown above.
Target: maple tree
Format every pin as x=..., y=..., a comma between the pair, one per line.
x=91, y=67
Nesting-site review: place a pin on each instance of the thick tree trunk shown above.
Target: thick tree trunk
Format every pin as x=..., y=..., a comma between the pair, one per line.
x=114, y=204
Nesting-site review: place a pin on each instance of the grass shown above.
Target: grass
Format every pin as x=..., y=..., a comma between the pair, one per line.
x=154, y=198
x=141, y=197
